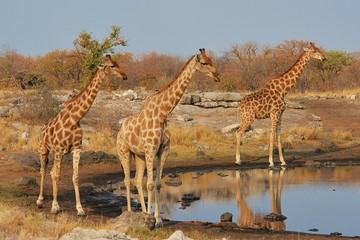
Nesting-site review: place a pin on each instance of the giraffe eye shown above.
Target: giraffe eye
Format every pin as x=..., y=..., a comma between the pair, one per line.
x=205, y=63
x=112, y=66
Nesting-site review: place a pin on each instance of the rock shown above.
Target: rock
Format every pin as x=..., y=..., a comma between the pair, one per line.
x=26, y=180
x=184, y=118
x=221, y=96
x=129, y=95
x=293, y=105
x=178, y=235
x=14, y=113
x=318, y=150
x=130, y=219
x=25, y=136
x=84, y=234
x=275, y=217
x=353, y=96
x=189, y=197
x=315, y=118
x=226, y=217
x=229, y=129
x=120, y=122
x=174, y=182
x=311, y=163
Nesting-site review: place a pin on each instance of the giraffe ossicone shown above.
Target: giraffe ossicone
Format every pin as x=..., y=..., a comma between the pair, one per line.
x=63, y=133
x=269, y=102
x=145, y=136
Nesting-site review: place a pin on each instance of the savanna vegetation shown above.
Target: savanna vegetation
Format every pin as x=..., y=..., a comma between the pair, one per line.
x=243, y=66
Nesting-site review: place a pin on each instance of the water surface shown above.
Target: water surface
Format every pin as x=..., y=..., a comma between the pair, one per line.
x=324, y=200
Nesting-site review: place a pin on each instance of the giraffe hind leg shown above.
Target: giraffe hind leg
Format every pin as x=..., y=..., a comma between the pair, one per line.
x=76, y=160
x=55, y=177
x=139, y=174
x=43, y=164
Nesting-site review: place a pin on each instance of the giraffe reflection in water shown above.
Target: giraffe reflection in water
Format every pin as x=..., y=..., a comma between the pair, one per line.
x=247, y=218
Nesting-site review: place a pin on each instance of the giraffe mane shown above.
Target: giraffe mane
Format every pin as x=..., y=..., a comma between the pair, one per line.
x=169, y=84
x=298, y=59
x=78, y=95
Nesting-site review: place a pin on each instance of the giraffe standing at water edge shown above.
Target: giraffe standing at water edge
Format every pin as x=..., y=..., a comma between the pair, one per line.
x=146, y=137
x=269, y=102
x=63, y=133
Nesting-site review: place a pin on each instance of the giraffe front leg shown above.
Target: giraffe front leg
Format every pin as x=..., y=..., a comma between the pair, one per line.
x=76, y=160
x=124, y=157
x=55, y=176
x=281, y=155
x=245, y=123
x=43, y=164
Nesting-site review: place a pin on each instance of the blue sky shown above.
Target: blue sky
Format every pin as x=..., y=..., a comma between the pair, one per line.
x=34, y=27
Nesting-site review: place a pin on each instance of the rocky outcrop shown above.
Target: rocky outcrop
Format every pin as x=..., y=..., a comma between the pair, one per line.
x=212, y=99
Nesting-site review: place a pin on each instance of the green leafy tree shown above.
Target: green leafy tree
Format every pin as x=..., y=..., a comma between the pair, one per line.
x=91, y=50
x=335, y=62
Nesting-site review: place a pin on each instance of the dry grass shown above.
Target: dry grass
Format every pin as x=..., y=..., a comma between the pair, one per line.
x=12, y=136
x=100, y=140
x=198, y=141
x=340, y=136
x=189, y=136
x=308, y=133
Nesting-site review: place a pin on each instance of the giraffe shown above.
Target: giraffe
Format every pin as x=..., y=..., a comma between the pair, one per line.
x=63, y=133
x=247, y=217
x=146, y=137
x=269, y=102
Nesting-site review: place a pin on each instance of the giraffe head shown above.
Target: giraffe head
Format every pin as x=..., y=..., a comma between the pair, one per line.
x=110, y=67
x=315, y=52
x=205, y=65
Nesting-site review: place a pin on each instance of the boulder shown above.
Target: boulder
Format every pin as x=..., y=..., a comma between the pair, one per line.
x=226, y=217
x=84, y=234
x=178, y=235
x=130, y=219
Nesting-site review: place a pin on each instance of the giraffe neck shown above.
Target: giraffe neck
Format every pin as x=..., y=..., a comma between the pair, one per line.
x=166, y=99
x=285, y=82
x=79, y=105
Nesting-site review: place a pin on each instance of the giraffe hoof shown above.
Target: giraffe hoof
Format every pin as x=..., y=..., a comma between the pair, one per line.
x=238, y=162
x=81, y=213
x=39, y=203
x=159, y=223
x=55, y=210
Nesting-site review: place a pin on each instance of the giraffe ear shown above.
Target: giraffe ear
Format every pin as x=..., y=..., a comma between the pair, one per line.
x=306, y=49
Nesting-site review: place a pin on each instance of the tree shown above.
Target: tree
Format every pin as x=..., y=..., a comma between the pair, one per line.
x=335, y=62
x=16, y=70
x=91, y=50
x=60, y=68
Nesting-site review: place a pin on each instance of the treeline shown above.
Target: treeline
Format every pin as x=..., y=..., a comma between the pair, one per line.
x=243, y=67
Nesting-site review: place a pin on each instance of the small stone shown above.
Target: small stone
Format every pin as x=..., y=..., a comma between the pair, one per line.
x=318, y=150
x=226, y=217
x=178, y=235
x=27, y=181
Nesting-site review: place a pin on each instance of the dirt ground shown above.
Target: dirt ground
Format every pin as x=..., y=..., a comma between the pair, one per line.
x=335, y=114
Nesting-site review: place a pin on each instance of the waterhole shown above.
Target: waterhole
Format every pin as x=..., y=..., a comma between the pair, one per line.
x=321, y=200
